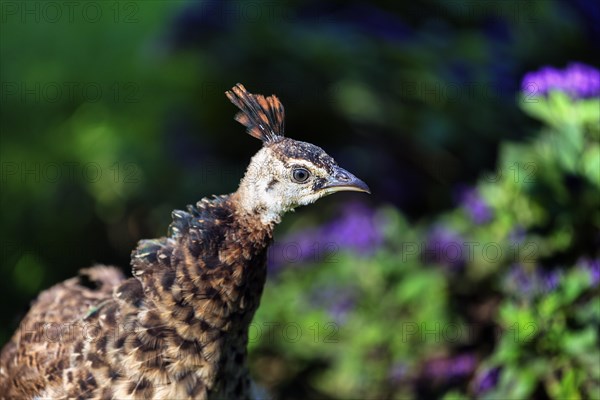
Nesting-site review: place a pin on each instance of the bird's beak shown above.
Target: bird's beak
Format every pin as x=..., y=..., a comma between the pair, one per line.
x=342, y=180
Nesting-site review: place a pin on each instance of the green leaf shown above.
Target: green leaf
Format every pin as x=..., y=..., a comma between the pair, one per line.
x=517, y=383
x=561, y=107
x=568, y=387
x=455, y=396
x=590, y=164
x=588, y=111
x=577, y=343
x=536, y=107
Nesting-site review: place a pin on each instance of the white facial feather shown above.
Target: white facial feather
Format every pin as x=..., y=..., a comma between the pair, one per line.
x=268, y=187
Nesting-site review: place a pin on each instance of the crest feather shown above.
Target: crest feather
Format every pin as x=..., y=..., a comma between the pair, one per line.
x=264, y=117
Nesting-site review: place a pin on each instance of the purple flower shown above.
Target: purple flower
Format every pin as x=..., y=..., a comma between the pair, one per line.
x=341, y=308
x=458, y=366
x=550, y=280
x=520, y=280
x=487, y=380
x=398, y=372
x=444, y=246
x=338, y=300
x=578, y=81
x=592, y=267
x=354, y=230
x=297, y=247
x=517, y=235
x=531, y=283
x=472, y=202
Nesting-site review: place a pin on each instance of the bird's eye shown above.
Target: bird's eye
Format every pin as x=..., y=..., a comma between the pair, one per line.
x=300, y=175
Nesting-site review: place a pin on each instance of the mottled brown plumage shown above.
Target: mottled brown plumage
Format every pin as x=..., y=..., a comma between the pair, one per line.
x=178, y=329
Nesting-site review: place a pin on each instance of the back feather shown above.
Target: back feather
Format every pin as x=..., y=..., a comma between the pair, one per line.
x=264, y=117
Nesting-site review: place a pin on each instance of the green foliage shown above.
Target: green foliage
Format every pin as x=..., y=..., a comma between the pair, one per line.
x=537, y=295
x=415, y=99
x=550, y=340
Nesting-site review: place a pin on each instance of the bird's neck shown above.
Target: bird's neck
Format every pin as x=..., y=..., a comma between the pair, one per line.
x=206, y=293
x=255, y=197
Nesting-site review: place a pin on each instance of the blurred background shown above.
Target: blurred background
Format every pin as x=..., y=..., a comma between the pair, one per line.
x=472, y=271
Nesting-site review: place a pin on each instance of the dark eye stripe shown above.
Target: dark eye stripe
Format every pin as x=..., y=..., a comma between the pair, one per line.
x=318, y=184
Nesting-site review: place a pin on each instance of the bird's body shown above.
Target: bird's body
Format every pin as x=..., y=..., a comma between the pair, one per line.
x=178, y=328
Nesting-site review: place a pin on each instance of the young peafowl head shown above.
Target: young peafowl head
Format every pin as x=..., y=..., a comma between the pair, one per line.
x=285, y=173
